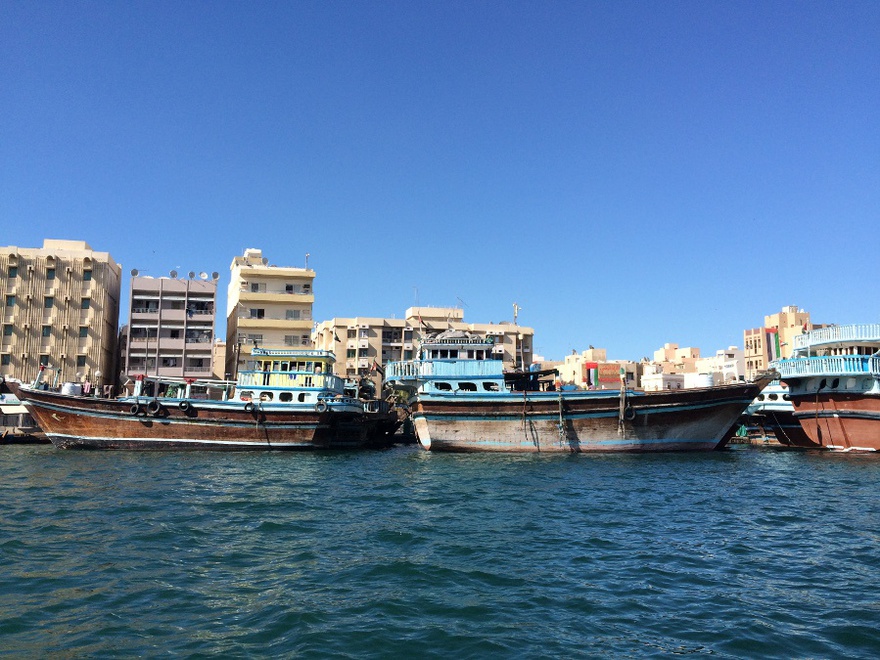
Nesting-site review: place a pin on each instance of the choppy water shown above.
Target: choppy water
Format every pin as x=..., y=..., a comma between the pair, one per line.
x=742, y=553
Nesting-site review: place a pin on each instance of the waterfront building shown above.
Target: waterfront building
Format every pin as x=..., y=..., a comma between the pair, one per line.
x=364, y=344
x=60, y=311
x=682, y=368
x=171, y=326
x=591, y=369
x=775, y=339
x=267, y=306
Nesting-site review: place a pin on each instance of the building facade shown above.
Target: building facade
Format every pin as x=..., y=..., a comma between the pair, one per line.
x=61, y=312
x=364, y=344
x=171, y=327
x=267, y=306
x=775, y=340
x=591, y=370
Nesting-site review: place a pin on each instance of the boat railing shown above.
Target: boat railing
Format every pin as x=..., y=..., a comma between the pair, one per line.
x=290, y=380
x=838, y=333
x=421, y=369
x=875, y=367
x=823, y=366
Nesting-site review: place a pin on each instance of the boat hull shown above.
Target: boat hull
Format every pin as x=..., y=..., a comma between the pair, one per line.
x=699, y=419
x=73, y=422
x=839, y=420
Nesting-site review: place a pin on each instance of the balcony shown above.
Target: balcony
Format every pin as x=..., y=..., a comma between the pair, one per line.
x=245, y=323
x=276, y=297
x=868, y=332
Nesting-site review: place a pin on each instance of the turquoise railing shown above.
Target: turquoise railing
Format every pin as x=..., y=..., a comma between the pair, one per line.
x=290, y=379
x=837, y=365
x=839, y=333
x=421, y=369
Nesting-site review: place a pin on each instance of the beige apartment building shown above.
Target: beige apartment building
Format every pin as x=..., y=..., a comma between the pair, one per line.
x=171, y=326
x=361, y=343
x=61, y=311
x=267, y=306
x=774, y=340
x=592, y=370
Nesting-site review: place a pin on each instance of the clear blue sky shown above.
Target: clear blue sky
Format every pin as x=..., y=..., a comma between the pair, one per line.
x=630, y=173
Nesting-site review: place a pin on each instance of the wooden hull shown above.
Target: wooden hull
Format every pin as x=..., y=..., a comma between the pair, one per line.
x=73, y=422
x=841, y=421
x=572, y=422
x=785, y=428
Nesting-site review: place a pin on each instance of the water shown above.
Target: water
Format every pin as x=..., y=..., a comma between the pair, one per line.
x=743, y=553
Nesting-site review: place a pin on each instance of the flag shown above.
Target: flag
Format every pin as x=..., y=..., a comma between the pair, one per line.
x=377, y=367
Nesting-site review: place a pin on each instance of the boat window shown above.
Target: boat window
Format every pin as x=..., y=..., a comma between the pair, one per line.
x=850, y=383
x=773, y=397
x=760, y=397
x=835, y=383
x=443, y=386
x=285, y=397
x=467, y=387
x=785, y=397
x=266, y=396
x=302, y=397
x=490, y=387
x=453, y=354
x=246, y=396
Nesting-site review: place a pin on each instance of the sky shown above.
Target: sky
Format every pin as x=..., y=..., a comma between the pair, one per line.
x=629, y=173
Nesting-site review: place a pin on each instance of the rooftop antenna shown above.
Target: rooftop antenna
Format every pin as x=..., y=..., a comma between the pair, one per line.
x=307, y=260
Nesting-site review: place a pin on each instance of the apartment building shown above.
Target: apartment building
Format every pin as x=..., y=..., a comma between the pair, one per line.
x=592, y=370
x=267, y=306
x=60, y=311
x=171, y=326
x=362, y=344
x=775, y=339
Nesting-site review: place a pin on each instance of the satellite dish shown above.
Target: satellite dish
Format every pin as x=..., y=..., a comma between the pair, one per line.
x=173, y=274
x=215, y=275
x=191, y=274
x=134, y=272
x=203, y=275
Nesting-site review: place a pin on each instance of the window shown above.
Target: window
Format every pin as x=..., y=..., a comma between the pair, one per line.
x=87, y=276
x=47, y=330
x=50, y=273
x=351, y=353
x=48, y=302
x=288, y=288
x=169, y=362
x=290, y=340
x=174, y=334
x=10, y=301
x=44, y=360
x=258, y=313
x=7, y=330
x=292, y=314
x=86, y=303
x=80, y=360
x=83, y=331
x=5, y=359
x=13, y=272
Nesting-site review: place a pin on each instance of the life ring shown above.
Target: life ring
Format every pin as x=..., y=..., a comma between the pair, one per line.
x=154, y=407
x=321, y=407
x=135, y=409
x=249, y=407
x=629, y=413
x=184, y=405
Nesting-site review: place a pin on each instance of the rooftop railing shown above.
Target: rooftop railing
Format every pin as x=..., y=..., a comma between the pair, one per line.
x=838, y=365
x=416, y=369
x=838, y=333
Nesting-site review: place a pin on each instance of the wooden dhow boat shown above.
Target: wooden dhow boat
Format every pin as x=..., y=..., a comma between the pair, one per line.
x=285, y=399
x=462, y=400
x=833, y=378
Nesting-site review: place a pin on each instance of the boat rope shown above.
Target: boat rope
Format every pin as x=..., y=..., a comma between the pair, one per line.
x=524, y=409
x=562, y=434
x=622, y=411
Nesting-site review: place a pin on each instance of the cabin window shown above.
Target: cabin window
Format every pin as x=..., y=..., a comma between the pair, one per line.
x=467, y=387
x=285, y=397
x=302, y=397
x=443, y=386
x=246, y=396
x=760, y=397
x=773, y=397
x=266, y=396
x=835, y=383
x=786, y=397
x=850, y=383
x=490, y=387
